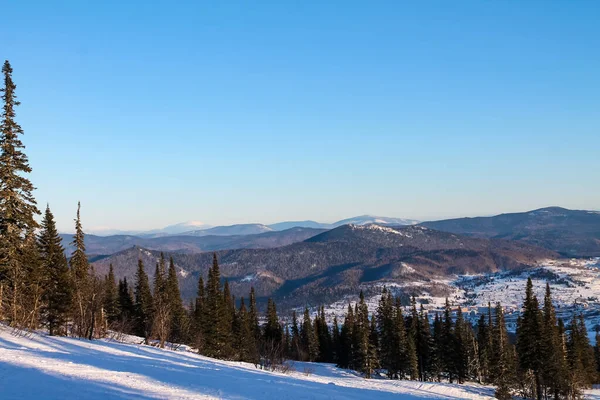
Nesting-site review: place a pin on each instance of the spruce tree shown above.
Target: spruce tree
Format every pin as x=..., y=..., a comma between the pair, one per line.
x=296, y=351
x=386, y=328
x=254, y=327
x=437, y=351
x=309, y=338
x=529, y=334
x=502, y=357
x=448, y=343
x=227, y=319
x=80, y=270
x=126, y=305
x=143, y=304
x=179, y=321
x=35, y=280
x=346, y=354
x=200, y=317
x=161, y=327
x=111, y=297
x=58, y=288
x=17, y=204
x=244, y=338
x=554, y=368
x=335, y=340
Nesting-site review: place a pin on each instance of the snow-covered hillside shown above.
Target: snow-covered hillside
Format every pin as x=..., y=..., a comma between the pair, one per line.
x=575, y=286
x=37, y=366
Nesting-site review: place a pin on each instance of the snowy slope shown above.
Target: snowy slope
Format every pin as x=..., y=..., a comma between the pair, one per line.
x=38, y=366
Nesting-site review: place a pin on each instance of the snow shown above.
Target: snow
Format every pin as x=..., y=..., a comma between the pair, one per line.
x=36, y=366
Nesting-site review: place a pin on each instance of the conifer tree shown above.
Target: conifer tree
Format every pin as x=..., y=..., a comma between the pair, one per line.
x=111, y=297
x=502, y=357
x=335, y=340
x=346, y=354
x=437, y=351
x=295, y=341
x=309, y=339
x=387, y=334
x=80, y=270
x=554, y=368
x=361, y=333
x=35, y=281
x=254, y=327
x=17, y=204
x=58, y=289
x=460, y=347
x=143, y=304
x=483, y=339
x=179, y=321
x=227, y=317
x=323, y=337
x=448, y=341
x=580, y=354
x=161, y=326
x=529, y=334
x=244, y=338
x=126, y=304
x=200, y=317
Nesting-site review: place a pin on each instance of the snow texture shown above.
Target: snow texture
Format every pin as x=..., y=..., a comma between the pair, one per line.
x=34, y=366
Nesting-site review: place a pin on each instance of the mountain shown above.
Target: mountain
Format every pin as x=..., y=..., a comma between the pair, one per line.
x=106, y=245
x=239, y=229
x=280, y=226
x=340, y=262
x=573, y=233
x=370, y=219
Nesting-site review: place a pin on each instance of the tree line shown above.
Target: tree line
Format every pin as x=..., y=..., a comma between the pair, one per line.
x=41, y=287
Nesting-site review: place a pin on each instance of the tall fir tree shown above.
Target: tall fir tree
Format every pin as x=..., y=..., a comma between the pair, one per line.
x=309, y=340
x=80, y=271
x=58, y=288
x=35, y=281
x=143, y=304
x=529, y=334
x=161, y=321
x=126, y=306
x=17, y=204
x=200, y=317
x=554, y=369
x=111, y=297
x=179, y=322
x=502, y=360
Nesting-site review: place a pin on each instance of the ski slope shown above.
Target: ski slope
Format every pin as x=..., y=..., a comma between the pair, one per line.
x=37, y=366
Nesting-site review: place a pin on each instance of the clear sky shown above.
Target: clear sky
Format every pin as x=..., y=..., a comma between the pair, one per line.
x=157, y=112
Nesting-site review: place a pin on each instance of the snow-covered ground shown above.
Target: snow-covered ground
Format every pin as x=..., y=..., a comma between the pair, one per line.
x=575, y=286
x=36, y=366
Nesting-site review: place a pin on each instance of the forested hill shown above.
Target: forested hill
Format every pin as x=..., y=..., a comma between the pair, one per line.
x=334, y=263
x=573, y=233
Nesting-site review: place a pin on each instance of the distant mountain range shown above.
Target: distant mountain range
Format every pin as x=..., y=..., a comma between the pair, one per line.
x=196, y=228
x=573, y=233
x=107, y=245
x=337, y=262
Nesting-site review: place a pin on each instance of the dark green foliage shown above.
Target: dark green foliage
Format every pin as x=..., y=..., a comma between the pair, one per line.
x=580, y=353
x=126, y=303
x=58, y=288
x=529, y=334
x=309, y=339
x=323, y=337
x=179, y=329
x=17, y=205
x=143, y=304
x=111, y=297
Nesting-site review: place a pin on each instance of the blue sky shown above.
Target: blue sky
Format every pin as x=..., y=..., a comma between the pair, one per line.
x=156, y=112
